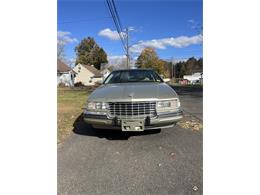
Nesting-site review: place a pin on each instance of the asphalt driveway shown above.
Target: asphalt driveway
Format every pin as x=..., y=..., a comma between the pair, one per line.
x=167, y=161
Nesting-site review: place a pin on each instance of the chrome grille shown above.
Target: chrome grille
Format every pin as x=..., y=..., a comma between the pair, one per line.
x=132, y=109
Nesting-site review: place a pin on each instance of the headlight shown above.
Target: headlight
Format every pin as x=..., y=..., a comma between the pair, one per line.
x=169, y=105
x=97, y=106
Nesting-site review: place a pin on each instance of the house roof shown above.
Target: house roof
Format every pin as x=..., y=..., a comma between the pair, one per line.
x=93, y=70
x=62, y=67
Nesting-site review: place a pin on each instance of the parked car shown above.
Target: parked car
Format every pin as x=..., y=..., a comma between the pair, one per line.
x=133, y=100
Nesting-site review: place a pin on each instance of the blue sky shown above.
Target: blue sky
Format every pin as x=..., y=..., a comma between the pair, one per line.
x=172, y=27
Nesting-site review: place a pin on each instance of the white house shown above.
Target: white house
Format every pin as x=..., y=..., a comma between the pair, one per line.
x=65, y=75
x=105, y=72
x=88, y=75
x=194, y=78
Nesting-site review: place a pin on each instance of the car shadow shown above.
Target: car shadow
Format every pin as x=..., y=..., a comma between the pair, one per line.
x=81, y=128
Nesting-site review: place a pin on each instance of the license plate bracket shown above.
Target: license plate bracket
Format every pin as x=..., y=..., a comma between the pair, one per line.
x=132, y=125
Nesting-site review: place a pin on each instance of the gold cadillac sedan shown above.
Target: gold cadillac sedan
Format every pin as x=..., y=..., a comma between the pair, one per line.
x=133, y=100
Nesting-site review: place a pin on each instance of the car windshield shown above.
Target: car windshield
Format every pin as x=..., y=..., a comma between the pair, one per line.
x=125, y=76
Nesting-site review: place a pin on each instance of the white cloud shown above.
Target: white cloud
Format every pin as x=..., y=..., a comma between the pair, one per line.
x=112, y=35
x=178, y=42
x=116, y=60
x=116, y=57
x=195, y=25
x=65, y=38
x=119, y=62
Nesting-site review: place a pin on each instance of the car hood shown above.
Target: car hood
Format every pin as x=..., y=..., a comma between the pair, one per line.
x=122, y=92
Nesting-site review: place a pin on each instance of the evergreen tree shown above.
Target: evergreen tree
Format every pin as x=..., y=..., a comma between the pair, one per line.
x=88, y=52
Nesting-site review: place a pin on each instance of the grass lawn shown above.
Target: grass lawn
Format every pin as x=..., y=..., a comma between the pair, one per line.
x=70, y=105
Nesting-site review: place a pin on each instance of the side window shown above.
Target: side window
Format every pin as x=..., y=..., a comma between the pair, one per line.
x=116, y=78
x=124, y=76
x=113, y=78
x=148, y=76
x=156, y=77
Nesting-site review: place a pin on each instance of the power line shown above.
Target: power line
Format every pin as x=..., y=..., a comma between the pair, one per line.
x=127, y=48
x=117, y=15
x=117, y=22
x=124, y=37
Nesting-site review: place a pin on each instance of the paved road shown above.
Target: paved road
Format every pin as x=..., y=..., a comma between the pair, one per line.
x=154, y=162
x=191, y=101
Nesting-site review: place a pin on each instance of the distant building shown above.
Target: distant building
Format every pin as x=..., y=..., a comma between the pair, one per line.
x=105, y=72
x=194, y=78
x=166, y=79
x=184, y=82
x=88, y=75
x=65, y=75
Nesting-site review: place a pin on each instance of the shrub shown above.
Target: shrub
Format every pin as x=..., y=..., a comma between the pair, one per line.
x=97, y=84
x=79, y=84
x=61, y=85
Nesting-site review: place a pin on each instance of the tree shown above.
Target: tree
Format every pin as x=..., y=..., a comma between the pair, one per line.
x=191, y=66
x=149, y=59
x=200, y=63
x=62, y=56
x=164, y=68
x=64, y=38
x=178, y=69
x=60, y=51
x=88, y=52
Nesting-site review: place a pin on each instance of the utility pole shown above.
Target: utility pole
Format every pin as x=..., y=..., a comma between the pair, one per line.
x=173, y=68
x=127, y=48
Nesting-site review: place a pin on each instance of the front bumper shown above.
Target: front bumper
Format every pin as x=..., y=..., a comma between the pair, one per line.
x=160, y=121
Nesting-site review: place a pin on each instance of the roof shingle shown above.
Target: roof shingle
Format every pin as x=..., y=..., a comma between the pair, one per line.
x=62, y=67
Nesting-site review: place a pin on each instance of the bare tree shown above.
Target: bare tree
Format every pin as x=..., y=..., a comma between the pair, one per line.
x=63, y=38
x=61, y=51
